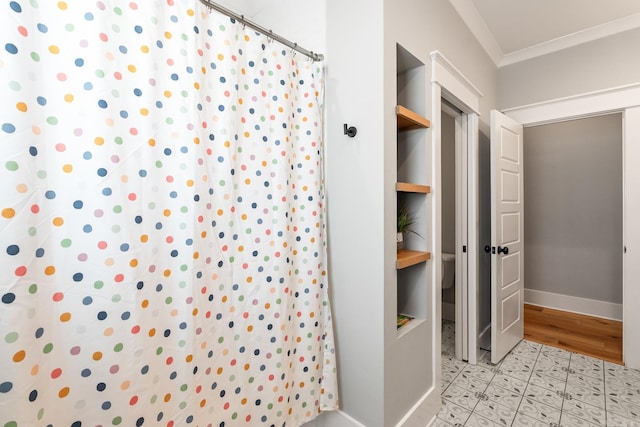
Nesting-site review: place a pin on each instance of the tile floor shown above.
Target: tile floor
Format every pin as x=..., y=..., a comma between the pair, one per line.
x=536, y=385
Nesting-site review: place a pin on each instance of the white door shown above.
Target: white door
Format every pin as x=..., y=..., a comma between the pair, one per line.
x=507, y=227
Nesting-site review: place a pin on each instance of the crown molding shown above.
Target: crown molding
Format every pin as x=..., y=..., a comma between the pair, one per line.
x=478, y=28
x=472, y=18
x=570, y=40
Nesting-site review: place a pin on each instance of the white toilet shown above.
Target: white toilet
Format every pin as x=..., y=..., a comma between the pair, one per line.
x=448, y=270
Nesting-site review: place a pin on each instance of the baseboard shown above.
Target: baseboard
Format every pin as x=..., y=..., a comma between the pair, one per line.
x=424, y=411
x=335, y=418
x=448, y=311
x=590, y=307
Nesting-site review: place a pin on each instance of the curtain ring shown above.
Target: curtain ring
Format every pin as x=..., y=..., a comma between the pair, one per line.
x=293, y=49
x=242, y=21
x=270, y=36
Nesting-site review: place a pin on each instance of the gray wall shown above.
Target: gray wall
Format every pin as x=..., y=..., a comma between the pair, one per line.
x=602, y=64
x=573, y=208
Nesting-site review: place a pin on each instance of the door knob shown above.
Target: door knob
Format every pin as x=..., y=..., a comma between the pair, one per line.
x=502, y=250
x=487, y=249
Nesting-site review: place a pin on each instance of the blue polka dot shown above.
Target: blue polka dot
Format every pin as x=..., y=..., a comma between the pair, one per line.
x=138, y=29
x=33, y=395
x=50, y=194
x=102, y=103
x=79, y=62
x=88, y=16
x=13, y=249
x=33, y=151
x=87, y=155
x=87, y=300
x=78, y=277
x=42, y=28
x=41, y=100
x=11, y=48
x=39, y=253
x=15, y=6
x=8, y=128
x=101, y=172
x=87, y=228
x=6, y=387
x=8, y=298
x=88, y=86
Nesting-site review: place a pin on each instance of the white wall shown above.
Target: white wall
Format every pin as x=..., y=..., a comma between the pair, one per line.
x=597, y=65
x=573, y=208
x=302, y=22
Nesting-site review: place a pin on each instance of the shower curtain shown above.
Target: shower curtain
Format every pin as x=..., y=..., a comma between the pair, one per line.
x=162, y=227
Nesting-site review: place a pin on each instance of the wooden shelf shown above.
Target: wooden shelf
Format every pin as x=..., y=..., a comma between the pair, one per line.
x=407, y=187
x=408, y=120
x=406, y=258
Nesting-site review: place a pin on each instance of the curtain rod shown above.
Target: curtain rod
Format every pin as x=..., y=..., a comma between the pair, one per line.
x=240, y=18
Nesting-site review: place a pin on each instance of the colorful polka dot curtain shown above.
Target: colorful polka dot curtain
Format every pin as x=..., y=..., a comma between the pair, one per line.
x=162, y=228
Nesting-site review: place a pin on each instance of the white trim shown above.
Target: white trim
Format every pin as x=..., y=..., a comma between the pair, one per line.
x=335, y=418
x=455, y=83
x=424, y=411
x=590, y=307
x=570, y=40
x=470, y=15
x=448, y=82
x=627, y=100
x=479, y=28
x=578, y=106
x=631, y=237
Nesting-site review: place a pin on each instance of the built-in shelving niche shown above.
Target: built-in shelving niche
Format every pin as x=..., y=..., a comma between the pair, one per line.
x=412, y=188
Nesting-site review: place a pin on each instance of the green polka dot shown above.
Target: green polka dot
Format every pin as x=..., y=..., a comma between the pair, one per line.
x=52, y=120
x=11, y=165
x=11, y=337
x=65, y=243
x=47, y=348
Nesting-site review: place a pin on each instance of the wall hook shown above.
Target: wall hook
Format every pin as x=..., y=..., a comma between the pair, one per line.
x=350, y=131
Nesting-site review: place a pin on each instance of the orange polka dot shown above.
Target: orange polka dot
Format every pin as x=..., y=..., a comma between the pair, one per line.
x=64, y=392
x=19, y=356
x=8, y=213
x=21, y=106
x=50, y=270
x=65, y=317
x=97, y=356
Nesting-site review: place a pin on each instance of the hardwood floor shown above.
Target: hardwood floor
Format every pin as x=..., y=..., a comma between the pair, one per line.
x=592, y=336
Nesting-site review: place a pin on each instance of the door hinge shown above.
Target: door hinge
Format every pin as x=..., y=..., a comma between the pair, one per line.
x=464, y=248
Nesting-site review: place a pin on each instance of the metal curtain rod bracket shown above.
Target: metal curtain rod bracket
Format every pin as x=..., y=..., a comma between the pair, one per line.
x=269, y=33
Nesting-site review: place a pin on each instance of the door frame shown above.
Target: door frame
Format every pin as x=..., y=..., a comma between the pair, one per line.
x=449, y=83
x=625, y=100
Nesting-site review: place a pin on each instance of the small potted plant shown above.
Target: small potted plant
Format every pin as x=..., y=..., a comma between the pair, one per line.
x=405, y=221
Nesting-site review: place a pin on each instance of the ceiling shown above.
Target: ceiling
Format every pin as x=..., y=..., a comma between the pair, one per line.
x=516, y=30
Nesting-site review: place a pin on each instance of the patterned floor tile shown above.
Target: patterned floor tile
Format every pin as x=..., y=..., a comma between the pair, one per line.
x=584, y=411
x=615, y=420
x=469, y=382
x=568, y=420
x=512, y=384
x=622, y=408
x=461, y=397
x=584, y=394
x=453, y=413
x=537, y=386
x=539, y=411
x=522, y=420
x=503, y=396
x=495, y=412
x=476, y=420
x=542, y=395
x=549, y=383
